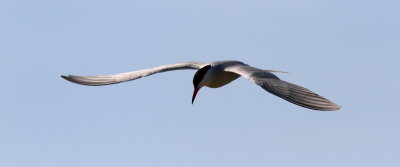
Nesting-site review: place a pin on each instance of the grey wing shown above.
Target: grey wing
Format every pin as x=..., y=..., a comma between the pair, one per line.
x=288, y=91
x=128, y=76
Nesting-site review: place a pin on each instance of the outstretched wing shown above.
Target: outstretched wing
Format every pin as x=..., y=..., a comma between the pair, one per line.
x=128, y=76
x=288, y=91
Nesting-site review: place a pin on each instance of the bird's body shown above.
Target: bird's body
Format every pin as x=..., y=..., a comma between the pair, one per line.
x=219, y=73
x=217, y=77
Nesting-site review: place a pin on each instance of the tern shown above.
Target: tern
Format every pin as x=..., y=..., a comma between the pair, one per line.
x=217, y=74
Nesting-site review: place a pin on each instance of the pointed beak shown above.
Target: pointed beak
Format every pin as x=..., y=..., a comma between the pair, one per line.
x=194, y=94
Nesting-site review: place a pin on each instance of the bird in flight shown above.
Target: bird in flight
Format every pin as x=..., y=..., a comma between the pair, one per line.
x=217, y=74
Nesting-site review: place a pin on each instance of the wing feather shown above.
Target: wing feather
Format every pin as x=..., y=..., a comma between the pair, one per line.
x=128, y=76
x=285, y=90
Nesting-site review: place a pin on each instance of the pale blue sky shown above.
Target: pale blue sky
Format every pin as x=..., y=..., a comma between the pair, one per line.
x=346, y=50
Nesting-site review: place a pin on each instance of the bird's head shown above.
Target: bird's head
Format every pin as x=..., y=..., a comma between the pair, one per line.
x=198, y=77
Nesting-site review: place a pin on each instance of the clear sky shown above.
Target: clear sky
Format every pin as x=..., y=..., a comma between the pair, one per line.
x=345, y=50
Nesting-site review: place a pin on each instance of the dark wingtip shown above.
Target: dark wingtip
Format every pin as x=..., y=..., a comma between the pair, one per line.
x=68, y=78
x=63, y=76
x=72, y=79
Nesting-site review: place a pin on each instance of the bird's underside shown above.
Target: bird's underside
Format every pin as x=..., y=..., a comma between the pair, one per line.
x=264, y=78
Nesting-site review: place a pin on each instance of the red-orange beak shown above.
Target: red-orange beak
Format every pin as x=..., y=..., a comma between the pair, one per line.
x=194, y=94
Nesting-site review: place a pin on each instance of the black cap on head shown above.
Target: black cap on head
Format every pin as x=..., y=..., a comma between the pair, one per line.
x=200, y=75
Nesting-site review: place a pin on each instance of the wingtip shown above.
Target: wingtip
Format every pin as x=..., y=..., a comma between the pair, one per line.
x=338, y=107
x=72, y=79
x=334, y=107
x=66, y=77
